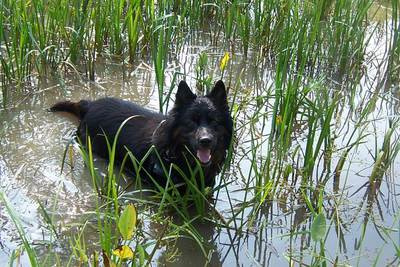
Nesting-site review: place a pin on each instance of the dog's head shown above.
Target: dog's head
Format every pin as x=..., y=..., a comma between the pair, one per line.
x=201, y=124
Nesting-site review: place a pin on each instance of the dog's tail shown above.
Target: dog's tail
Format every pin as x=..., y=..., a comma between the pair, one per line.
x=78, y=109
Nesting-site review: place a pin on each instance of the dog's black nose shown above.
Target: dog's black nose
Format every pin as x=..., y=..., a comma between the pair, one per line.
x=205, y=141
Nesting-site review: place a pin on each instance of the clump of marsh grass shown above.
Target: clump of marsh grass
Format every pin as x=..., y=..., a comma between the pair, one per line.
x=64, y=33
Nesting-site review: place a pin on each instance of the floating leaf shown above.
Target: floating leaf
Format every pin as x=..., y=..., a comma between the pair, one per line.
x=127, y=222
x=124, y=252
x=224, y=61
x=318, y=227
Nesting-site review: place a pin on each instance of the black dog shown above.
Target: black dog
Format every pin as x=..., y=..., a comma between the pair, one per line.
x=196, y=128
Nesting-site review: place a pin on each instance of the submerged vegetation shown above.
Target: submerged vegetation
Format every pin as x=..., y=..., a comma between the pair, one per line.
x=323, y=88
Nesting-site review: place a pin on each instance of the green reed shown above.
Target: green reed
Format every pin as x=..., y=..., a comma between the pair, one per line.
x=132, y=20
x=385, y=156
x=393, y=68
x=160, y=46
x=33, y=259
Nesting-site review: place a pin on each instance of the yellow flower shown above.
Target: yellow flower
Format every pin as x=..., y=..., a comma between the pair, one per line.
x=124, y=252
x=224, y=61
x=278, y=119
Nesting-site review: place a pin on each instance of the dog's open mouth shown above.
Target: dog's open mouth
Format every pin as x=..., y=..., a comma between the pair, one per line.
x=204, y=155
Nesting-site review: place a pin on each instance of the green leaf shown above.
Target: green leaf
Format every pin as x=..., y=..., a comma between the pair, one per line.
x=142, y=254
x=318, y=227
x=127, y=222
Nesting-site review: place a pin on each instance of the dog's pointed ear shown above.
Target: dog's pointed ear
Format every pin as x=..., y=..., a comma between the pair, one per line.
x=184, y=95
x=218, y=95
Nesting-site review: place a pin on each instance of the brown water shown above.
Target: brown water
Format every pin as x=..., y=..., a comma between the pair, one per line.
x=32, y=143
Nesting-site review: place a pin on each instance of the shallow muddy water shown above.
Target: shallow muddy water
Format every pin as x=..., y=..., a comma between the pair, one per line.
x=33, y=141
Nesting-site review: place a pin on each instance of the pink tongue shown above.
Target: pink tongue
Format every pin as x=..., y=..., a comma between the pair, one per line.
x=204, y=155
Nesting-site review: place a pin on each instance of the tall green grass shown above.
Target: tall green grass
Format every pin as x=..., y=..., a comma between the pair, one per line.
x=37, y=37
x=393, y=68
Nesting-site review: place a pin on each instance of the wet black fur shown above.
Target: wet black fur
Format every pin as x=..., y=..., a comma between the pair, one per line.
x=194, y=122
